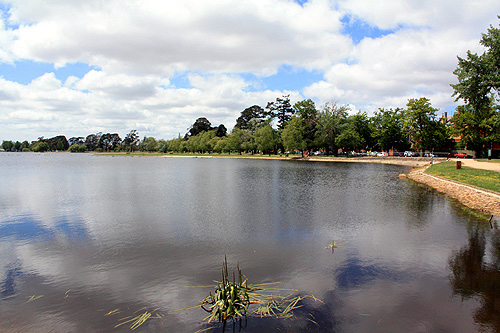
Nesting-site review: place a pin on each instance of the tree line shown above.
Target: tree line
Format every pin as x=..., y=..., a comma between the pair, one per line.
x=282, y=127
x=330, y=128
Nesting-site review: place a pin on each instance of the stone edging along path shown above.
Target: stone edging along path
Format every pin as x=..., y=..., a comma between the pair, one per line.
x=485, y=201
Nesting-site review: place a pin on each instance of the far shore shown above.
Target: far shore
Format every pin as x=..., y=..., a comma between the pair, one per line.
x=406, y=161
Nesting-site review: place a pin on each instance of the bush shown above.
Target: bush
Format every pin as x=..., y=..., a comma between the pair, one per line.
x=41, y=147
x=77, y=149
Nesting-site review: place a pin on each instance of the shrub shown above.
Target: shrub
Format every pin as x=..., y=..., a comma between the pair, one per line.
x=41, y=147
x=77, y=149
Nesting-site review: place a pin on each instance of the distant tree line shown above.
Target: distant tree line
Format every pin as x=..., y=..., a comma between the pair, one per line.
x=330, y=128
x=281, y=127
x=304, y=127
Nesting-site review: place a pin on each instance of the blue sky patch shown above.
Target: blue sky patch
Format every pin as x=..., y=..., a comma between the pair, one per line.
x=5, y=15
x=358, y=29
x=287, y=78
x=25, y=71
x=180, y=81
x=301, y=2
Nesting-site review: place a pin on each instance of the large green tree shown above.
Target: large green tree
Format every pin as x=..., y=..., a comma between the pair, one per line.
x=331, y=121
x=479, y=75
x=254, y=112
x=235, y=140
x=130, y=141
x=109, y=141
x=350, y=139
x=359, y=126
x=307, y=111
x=357, y=134
x=148, y=144
x=479, y=86
x=17, y=146
x=200, y=125
x=477, y=128
x=293, y=135
x=91, y=141
x=266, y=139
x=281, y=109
x=221, y=145
x=387, y=128
x=7, y=145
x=425, y=130
x=175, y=144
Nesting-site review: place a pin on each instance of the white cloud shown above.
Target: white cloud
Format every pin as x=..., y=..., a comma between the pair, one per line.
x=97, y=103
x=138, y=48
x=145, y=37
x=6, y=40
x=119, y=86
x=412, y=62
x=441, y=15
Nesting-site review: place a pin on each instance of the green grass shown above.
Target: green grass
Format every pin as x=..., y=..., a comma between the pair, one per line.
x=481, y=178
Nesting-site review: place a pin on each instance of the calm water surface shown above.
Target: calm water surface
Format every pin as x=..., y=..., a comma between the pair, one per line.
x=82, y=236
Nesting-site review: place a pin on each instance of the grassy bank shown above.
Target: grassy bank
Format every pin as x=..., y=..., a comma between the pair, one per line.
x=477, y=177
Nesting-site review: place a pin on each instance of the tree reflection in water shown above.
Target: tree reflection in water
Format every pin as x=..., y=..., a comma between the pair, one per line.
x=477, y=274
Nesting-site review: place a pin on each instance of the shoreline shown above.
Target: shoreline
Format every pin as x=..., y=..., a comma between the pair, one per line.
x=479, y=199
x=405, y=161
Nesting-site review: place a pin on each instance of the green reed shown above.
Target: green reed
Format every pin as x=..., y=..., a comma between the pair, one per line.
x=232, y=299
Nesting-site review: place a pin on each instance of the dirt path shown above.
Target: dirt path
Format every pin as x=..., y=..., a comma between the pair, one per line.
x=493, y=166
x=486, y=201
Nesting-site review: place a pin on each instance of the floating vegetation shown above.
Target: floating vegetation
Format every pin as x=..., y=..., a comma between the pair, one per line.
x=333, y=245
x=34, y=298
x=112, y=312
x=232, y=300
x=138, y=320
x=9, y=297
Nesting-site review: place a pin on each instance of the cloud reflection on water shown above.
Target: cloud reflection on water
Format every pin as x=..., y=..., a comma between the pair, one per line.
x=141, y=232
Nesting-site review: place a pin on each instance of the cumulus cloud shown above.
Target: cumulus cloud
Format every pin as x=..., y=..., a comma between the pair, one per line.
x=417, y=59
x=440, y=15
x=404, y=65
x=145, y=37
x=137, y=50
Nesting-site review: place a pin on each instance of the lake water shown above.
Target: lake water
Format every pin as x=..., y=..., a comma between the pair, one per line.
x=86, y=241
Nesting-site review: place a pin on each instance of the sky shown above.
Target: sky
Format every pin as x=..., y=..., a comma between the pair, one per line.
x=73, y=68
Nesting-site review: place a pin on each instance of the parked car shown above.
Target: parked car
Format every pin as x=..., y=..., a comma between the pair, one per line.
x=382, y=154
x=461, y=155
x=409, y=153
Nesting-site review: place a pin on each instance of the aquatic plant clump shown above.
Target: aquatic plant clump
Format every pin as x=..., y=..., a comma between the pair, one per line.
x=231, y=300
